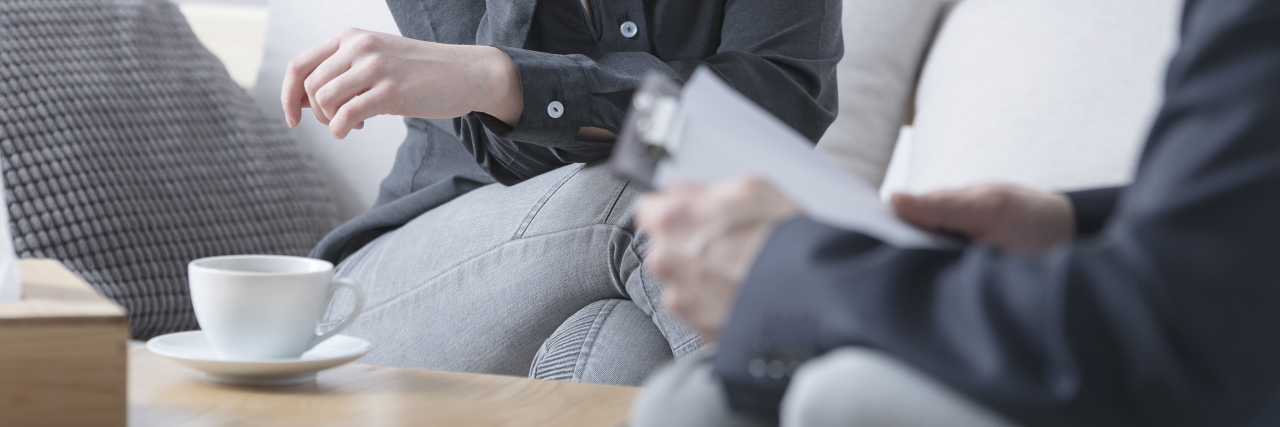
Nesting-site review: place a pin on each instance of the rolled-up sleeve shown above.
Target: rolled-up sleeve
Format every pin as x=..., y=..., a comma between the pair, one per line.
x=780, y=54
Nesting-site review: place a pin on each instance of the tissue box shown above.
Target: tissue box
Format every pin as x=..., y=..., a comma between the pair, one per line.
x=62, y=352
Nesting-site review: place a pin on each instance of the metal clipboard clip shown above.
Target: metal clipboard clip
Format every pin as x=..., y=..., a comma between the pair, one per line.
x=651, y=130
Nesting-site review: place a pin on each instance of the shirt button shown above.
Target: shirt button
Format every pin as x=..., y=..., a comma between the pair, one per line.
x=555, y=109
x=629, y=29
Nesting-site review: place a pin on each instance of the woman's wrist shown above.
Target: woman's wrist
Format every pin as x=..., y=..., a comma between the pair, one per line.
x=504, y=98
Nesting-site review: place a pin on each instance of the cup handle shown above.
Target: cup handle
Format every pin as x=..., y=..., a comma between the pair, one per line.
x=333, y=289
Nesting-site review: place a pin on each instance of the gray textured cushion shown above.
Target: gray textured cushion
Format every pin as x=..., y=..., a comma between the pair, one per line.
x=128, y=151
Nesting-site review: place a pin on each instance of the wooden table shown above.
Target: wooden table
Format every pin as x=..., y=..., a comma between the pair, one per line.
x=162, y=393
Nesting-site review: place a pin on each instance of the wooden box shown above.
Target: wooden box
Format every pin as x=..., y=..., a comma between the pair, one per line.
x=62, y=352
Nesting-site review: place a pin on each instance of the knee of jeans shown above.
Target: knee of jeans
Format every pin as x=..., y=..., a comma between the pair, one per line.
x=840, y=389
x=608, y=342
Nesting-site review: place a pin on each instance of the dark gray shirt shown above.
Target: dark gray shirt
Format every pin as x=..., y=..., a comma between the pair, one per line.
x=580, y=71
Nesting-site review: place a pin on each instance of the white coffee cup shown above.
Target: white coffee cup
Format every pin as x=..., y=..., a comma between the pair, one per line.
x=253, y=307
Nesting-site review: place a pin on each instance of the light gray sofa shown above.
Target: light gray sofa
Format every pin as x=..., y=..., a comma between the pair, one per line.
x=1051, y=94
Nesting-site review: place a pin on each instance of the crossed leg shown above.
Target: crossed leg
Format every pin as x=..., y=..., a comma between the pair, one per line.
x=480, y=283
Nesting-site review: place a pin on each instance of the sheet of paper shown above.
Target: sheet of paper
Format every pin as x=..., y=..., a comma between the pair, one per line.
x=10, y=282
x=724, y=135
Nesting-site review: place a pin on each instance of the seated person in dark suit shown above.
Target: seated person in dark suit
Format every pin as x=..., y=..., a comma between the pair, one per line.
x=1154, y=304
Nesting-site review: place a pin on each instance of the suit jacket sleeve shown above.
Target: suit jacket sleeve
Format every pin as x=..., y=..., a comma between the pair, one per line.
x=780, y=54
x=1092, y=208
x=1169, y=316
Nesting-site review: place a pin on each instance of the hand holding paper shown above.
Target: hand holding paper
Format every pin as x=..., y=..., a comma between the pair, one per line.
x=709, y=133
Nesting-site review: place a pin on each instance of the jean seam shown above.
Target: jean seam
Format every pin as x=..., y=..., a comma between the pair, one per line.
x=584, y=353
x=677, y=349
x=655, y=306
x=616, y=197
x=537, y=207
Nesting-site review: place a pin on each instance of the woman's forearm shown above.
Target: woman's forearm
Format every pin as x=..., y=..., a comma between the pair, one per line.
x=504, y=98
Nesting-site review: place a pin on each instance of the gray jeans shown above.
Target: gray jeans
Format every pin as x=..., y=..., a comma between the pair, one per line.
x=483, y=282
x=849, y=387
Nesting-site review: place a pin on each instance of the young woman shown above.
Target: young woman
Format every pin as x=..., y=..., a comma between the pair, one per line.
x=494, y=227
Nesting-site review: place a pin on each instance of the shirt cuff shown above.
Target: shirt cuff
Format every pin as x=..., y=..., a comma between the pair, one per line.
x=555, y=93
x=547, y=137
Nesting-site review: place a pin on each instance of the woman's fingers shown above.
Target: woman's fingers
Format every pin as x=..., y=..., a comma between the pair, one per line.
x=335, y=91
x=293, y=95
x=355, y=111
x=326, y=100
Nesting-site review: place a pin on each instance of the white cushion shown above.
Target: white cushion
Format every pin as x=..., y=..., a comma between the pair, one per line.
x=353, y=168
x=1053, y=94
x=884, y=42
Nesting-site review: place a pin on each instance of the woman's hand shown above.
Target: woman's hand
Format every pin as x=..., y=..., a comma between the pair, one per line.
x=360, y=74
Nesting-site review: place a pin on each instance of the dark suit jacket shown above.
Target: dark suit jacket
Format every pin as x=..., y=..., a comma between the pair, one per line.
x=1168, y=315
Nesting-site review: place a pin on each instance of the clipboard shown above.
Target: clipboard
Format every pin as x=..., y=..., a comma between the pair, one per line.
x=707, y=132
x=647, y=130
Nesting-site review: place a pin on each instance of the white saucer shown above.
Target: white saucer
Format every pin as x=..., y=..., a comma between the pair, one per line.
x=190, y=349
